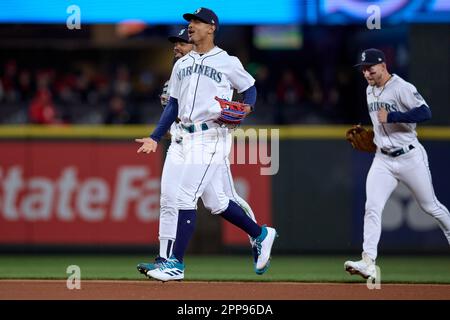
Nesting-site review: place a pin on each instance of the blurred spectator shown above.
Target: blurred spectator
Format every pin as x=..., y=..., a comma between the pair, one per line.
x=117, y=112
x=340, y=97
x=315, y=95
x=85, y=92
x=65, y=88
x=101, y=86
x=122, y=84
x=264, y=87
x=10, y=81
x=44, y=79
x=289, y=90
x=83, y=84
x=25, y=86
x=146, y=85
x=42, y=109
x=289, y=94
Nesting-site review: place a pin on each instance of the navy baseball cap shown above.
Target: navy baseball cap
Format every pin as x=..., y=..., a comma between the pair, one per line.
x=371, y=57
x=181, y=36
x=204, y=15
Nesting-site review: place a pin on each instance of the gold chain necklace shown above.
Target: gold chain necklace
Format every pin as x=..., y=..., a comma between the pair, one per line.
x=382, y=89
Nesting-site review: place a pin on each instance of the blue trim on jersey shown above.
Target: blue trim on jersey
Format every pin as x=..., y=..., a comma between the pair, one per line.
x=250, y=96
x=415, y=115
x=168, y=116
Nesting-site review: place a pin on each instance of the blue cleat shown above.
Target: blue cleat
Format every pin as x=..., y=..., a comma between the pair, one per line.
x=146, y=267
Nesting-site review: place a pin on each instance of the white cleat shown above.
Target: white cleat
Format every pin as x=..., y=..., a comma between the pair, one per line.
x=365, y=267
x=263, y=244
x=172, y=269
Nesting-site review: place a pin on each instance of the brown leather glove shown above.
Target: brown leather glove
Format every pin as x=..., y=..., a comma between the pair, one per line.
x=361, y=138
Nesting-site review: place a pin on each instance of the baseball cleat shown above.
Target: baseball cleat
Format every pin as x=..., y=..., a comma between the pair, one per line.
x=171, y=269
x=146, y=267
x=364, y=267
x=262, y=248
x=254, y=253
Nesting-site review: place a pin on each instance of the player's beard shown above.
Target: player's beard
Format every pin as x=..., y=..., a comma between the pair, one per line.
x=378, y=80
x=375, y=80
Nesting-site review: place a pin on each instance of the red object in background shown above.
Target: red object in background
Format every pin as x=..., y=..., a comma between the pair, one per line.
x=75, y=192
x=42, y=110
x=78, y=193
x=130, y=27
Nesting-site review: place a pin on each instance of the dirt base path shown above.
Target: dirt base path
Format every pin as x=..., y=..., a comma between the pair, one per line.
x=152, y=290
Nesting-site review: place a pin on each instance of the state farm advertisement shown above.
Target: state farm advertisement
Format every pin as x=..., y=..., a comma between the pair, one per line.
x=72, y=192
x=78, y=193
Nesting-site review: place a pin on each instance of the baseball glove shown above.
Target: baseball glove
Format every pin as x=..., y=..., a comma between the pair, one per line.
x=361, y=138
x=233, y=112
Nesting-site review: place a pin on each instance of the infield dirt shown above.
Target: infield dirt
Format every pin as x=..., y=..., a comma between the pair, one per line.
x=196, y=290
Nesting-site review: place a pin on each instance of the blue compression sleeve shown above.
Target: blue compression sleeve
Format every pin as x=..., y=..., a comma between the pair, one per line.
x=415, y=115
x=168, y=116
x=250, y=96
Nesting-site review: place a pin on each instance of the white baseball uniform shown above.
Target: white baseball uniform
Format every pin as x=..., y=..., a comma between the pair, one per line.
x=197, y=160
x=410, y=166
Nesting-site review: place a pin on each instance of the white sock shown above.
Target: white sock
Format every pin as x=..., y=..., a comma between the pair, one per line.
x=165, y=248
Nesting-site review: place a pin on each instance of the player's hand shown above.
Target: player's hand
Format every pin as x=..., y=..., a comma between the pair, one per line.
x=382, y=115
x=148, y=145
x=247, y=109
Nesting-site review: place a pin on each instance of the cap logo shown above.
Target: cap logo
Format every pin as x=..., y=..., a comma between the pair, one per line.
x=212, y=21
x=198, y=10
x=363, y=56
x=379, y=59
x=181, y=32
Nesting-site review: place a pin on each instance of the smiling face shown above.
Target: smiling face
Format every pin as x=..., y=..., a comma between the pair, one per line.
x=374, y=74
x=180, y=49
x=199, y=31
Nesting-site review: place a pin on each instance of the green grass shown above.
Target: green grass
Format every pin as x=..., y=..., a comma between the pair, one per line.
x=427, y=269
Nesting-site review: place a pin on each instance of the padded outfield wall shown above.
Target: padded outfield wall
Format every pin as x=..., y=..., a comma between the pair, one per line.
x=86, y=186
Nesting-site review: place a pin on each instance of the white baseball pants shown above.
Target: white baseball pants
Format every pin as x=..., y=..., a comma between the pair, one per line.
x=216, y=193
x=413, y=170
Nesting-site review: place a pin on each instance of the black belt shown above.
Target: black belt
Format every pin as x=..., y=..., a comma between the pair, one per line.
x=398, y=152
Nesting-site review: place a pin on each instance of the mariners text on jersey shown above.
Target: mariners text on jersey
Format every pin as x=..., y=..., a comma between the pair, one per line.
x=397, y=95
x=375, y=106
x=200, y=69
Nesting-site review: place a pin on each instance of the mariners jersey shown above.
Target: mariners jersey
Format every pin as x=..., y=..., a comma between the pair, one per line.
x=197, y=78
x=396, y=95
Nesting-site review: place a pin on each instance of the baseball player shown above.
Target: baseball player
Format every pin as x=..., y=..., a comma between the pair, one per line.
x=197, y=80
x=395, y=107
x=170, y=176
